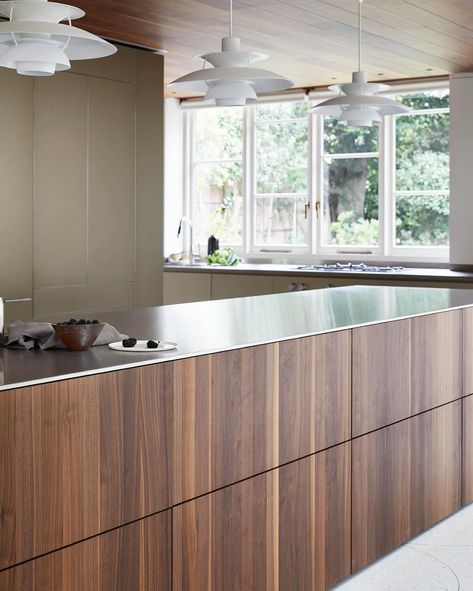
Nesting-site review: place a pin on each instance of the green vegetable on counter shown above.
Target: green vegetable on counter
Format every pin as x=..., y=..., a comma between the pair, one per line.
x=225, y=256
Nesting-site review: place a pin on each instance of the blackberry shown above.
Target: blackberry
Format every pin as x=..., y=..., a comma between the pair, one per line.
x=129, y=343
x=152, y=344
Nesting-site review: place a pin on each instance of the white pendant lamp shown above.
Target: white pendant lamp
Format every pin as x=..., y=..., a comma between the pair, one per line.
x=359, y=104
x=34, y=43
x=231, y=81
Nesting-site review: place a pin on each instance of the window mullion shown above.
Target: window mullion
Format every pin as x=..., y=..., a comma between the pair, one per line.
x=387, y=225
x=350, y=155
x=189, y=172
x=249, y=147
x=317, y=184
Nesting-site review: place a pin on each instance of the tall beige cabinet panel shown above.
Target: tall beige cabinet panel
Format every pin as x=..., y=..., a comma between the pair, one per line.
x=82, y=191
x=112, y=170
x=111, y=219
x=16, y=190
x=60, y=241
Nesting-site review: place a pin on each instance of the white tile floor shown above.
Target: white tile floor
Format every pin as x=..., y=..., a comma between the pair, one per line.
x=441, y=559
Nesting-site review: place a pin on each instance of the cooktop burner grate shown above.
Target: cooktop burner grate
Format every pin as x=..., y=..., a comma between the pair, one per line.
x=355, y=267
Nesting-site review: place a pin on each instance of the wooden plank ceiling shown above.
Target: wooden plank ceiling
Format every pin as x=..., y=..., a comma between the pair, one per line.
x=313, y=42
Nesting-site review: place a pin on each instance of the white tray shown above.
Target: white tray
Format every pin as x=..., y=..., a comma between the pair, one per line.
x=141, y=347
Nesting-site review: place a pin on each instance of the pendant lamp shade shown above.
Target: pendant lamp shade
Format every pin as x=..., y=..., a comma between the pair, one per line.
x=35, y=43
x=358, y=103
x=232, y=80
x=233, y=93
x=48, y=58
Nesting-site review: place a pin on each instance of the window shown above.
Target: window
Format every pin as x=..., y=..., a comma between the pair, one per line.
x=281, y=184
x=272, y=178
x=350, y=193
x=421, y=176
x=217, y=175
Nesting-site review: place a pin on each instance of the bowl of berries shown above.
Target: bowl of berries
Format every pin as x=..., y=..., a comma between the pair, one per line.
x=78, y=335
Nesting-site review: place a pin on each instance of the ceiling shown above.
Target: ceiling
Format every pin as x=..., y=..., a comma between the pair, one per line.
x=313, y=42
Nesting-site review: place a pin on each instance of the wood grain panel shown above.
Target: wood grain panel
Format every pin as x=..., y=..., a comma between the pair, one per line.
x=79, y=457
x=286, y=529
x=134, y=557
x=134, y=469
x=85, y=455
x=319, y=509
x=436, y=466
x=467, y=447
x=238, y=413
x=225, y=419
x=406, y=367
x=381, y=375
x=467, y=351
x=436, y=359
x=314, y=394
x=401, y=40
x=406, y=478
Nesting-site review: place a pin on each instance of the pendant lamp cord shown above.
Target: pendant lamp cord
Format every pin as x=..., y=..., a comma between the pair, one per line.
x=231, y=19
x=359, y=35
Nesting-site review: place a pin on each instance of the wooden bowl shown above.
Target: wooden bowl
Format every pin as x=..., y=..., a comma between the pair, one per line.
x=78, y=337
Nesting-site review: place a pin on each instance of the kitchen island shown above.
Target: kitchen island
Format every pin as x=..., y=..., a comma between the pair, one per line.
x=289, y=441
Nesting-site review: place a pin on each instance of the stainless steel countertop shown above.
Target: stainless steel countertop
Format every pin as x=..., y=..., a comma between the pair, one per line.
x=407, y=274
x=209, y=327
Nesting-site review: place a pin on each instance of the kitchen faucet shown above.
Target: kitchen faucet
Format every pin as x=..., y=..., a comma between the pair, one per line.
x=182, y=221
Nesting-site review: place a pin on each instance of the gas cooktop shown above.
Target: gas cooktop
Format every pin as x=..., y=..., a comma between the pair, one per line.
x=358, y=267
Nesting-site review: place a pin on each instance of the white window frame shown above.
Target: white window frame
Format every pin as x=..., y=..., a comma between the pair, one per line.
x=435, y=252
x=190, y=163
x=340, y=251
x=256, y=249
x=386, y=249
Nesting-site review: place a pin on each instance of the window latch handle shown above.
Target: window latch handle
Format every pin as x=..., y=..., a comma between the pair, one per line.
x=317, y=209
x=306, y=209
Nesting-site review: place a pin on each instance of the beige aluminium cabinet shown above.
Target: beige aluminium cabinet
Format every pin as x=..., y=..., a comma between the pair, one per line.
x=16, y=195
x=181, y=288
x=283, y=283
x=233, y=285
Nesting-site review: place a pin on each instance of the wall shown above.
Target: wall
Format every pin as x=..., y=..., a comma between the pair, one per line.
x=461, y=147
x=81, y=200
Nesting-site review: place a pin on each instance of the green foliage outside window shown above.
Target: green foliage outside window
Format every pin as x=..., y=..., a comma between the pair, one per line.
x=218, y=175
x=281, y=157
x=422, y=164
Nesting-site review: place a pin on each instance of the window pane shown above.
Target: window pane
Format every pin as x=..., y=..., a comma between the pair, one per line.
x=351, y=201
x=281, y=221
x=422, y=220
x=422, y=152
x=285, y=110
x=218, y=134
x=340, y=139
x=281, y=158
x=218, y=202
x=432, y=99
